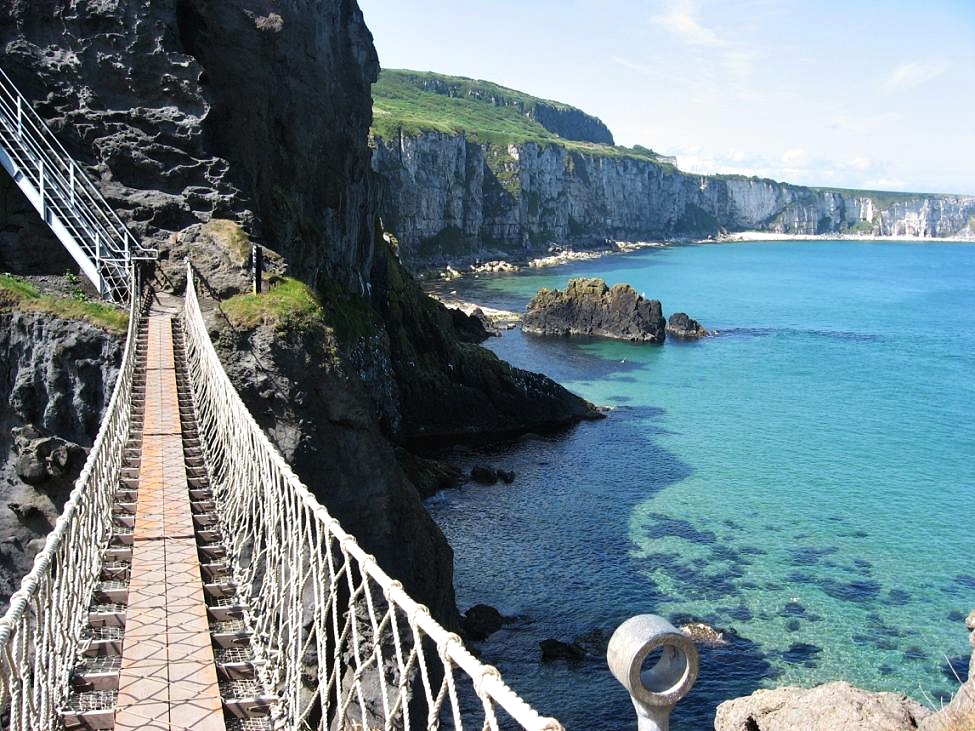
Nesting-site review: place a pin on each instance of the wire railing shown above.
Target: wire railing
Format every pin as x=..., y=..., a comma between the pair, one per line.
x=42, y=629
x=342, y=643
x=65, y=197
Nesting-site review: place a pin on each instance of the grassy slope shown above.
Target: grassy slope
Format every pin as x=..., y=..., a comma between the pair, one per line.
x=401, y=104
x=21, y=294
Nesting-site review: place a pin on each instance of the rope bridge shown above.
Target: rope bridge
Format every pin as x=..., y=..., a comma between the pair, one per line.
x=337, y=643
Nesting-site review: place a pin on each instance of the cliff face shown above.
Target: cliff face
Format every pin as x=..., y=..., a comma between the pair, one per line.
x=56, y=377
x=186, y=109
x=448, y=196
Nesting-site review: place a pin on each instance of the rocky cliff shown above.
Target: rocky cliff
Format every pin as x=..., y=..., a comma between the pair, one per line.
x=56, y=377
x=450, y=195
x=250, y=117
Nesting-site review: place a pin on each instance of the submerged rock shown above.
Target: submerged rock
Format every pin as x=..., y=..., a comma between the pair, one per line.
x=704, y=634
x=481, y=621
x=681, y=326
x=491, y=475
x=553, y=649
x=826, y=707
x=590, y=307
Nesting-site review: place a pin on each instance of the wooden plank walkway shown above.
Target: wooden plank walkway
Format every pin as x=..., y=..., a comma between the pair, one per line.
x=168, y=678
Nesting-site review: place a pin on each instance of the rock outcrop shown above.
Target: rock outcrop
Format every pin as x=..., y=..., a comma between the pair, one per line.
x=959, y=714
x=590, y=307
x=452, y=197
x=681, y=326
x=56, y=377
x=826, y=707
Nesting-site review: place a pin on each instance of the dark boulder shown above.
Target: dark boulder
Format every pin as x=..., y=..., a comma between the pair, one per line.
x=481, y=621
x=484, y=475
x=590, y=307
x=491, y=475
x=472, y=328
x=557, y=650
x=681, y=326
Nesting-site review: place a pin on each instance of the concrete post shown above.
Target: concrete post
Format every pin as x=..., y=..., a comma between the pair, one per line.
x=654, y=690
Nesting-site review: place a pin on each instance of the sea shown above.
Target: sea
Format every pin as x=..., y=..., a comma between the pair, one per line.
x=803, y=481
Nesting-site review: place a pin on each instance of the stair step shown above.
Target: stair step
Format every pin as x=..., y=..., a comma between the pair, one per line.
x=226, y=613
x=249, y=708
x=97, y=673
x=221, y=590
x=104, y=647
x=118, y=553
x=95, y=710
x=236, y=671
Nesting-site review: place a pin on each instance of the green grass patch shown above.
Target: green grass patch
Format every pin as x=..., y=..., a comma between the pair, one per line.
x=21, y=294
x=15, y=289
x=287, y=304
x=414, y=102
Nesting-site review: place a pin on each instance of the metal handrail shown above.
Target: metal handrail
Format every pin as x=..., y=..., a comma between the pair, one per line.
x=64, y=191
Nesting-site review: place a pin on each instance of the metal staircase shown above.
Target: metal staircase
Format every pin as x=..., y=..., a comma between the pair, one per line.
x=65, y=198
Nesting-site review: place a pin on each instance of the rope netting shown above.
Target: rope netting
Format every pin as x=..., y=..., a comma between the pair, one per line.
x=42, y=629
x=341, y=644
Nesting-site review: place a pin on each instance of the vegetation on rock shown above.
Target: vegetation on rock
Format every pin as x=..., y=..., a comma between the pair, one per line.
x=413, y=102
x=20, y=294
x=287, y=304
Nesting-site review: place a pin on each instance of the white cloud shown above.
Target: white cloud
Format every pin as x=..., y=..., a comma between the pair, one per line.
x=795, y=158
x=864, y=125
x=860, y=163
x=651, y=71
x=884, y=184
x=681, y=20
x=915, y=73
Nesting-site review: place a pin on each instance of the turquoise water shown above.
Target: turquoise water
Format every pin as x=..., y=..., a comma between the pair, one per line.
x=804, y=479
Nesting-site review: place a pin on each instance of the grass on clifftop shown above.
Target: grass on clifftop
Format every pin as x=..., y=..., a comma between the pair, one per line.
x=409, y=102
x=21, y=294
x=286, y=304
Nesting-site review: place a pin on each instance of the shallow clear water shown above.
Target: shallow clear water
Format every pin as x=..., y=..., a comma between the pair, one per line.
x=805, y=478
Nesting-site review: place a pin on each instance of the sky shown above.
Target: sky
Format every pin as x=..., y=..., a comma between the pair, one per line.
x=876, y=95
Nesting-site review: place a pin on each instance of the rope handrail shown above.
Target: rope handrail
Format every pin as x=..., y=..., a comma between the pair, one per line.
x=42, y=627
x=343, y=644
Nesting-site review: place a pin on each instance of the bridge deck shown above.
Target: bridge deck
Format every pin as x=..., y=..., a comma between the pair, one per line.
x=168, y=678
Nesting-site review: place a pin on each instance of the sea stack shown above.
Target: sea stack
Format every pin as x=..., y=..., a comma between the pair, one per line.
x=590, y=307
x=680, y=325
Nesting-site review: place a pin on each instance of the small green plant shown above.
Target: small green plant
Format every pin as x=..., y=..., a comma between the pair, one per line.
x=77, y=293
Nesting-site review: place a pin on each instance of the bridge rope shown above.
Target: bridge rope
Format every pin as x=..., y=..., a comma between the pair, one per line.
x=41, y=630
x=342, y=644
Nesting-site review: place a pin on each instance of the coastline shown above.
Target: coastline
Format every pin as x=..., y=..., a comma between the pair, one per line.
x=432, y=278
x=740, y=236
x=475, y=266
